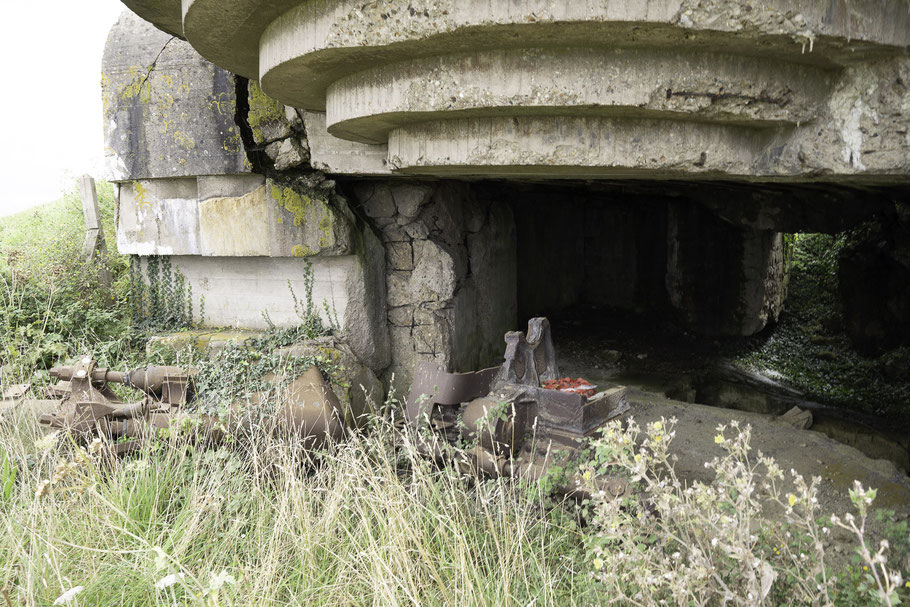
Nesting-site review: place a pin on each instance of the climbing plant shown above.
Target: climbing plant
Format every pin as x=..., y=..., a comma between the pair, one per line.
x=160, y=297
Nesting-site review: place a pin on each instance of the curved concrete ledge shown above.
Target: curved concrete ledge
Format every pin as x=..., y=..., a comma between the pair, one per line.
x=734, y=89
x=564, y=146
x=166, y=15
x=778, y=88
x=316, y=43
x=227, y=32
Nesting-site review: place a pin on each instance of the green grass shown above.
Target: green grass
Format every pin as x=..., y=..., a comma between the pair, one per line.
x=52, y=305
x=367, y=524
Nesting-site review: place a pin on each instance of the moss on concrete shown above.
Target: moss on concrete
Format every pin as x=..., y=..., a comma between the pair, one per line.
x=263, y=110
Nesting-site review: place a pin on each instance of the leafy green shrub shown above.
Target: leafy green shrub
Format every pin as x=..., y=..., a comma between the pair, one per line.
x=160, y=298
x=53, y=303
x=749, y=537
x=810, y=350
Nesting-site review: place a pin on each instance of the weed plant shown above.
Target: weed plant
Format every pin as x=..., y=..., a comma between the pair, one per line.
x=753, y=536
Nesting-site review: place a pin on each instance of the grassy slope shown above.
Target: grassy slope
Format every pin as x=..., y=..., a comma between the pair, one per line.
x=51, y=303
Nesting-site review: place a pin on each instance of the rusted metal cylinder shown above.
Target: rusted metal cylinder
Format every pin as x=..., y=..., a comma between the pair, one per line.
x=150, y=380
x=492, y=423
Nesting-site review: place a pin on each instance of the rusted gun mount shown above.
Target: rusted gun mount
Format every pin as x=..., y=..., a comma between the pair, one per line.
x=514, y=426
x=90, y=406
x=307, y=407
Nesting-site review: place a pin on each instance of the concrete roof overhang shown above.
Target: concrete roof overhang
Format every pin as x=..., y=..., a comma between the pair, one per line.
x=620, y=83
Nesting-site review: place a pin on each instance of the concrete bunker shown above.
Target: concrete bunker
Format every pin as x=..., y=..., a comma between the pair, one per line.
x=667, y=196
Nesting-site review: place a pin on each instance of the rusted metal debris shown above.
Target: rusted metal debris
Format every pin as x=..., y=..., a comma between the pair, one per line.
x=511, y=424
x=308, y=408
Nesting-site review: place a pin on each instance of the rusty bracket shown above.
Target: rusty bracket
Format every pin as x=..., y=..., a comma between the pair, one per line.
x=433, y=386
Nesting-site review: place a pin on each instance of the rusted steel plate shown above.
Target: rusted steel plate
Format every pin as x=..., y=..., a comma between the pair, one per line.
x=433, y=386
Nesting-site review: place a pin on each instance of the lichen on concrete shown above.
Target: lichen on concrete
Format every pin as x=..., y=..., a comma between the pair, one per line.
x=167, y=112
x=266, y=116
x=306, y=221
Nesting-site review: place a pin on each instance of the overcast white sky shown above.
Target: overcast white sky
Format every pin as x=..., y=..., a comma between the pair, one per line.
x=50, y=104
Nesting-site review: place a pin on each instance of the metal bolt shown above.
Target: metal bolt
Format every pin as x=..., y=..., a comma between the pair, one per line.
x=86, y=360
x=80, y=373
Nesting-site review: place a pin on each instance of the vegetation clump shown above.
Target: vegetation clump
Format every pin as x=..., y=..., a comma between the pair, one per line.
x=810, y=350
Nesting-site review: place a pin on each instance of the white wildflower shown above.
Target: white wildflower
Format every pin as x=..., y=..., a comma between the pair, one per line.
x=47, y=442
x=168, y=581
x=220, y=579
x=69, y=595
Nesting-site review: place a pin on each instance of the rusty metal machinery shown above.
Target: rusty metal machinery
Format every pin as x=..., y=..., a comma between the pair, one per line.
x=307, y=407
x=502, y=417
x=510, y=425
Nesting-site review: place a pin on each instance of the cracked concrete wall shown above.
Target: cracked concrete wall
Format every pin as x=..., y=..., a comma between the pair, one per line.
x=212, y=173
x=451, y=278
x=167, y=112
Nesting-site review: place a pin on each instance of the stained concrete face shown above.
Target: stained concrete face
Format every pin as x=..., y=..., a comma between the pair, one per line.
x=185, y=190
x=158, y=124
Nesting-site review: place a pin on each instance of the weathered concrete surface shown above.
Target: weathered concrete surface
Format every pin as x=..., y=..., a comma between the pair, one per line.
x=240, y=292
x=158, y=217
x=333, y=155
x=156, y=123
x=258, y=218
x=809, y=453
x=450, y=274
x=610, y=82
x=685, y=88
x=315, y=44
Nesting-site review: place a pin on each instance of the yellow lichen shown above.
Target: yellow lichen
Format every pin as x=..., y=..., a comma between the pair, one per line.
x=141, y=195
x=263, y=110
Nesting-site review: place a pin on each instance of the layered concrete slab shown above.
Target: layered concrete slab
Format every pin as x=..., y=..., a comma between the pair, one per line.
x=775, y=90
x=260, y=219
x=334, y=155
x=614, y=82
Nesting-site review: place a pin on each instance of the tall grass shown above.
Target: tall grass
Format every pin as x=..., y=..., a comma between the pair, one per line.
x=365, y=524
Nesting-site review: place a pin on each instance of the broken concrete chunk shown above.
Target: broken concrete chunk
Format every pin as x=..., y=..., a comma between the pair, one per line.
x=287, y=154
x=798, y=418
x=292, y=115
x=409, y=198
